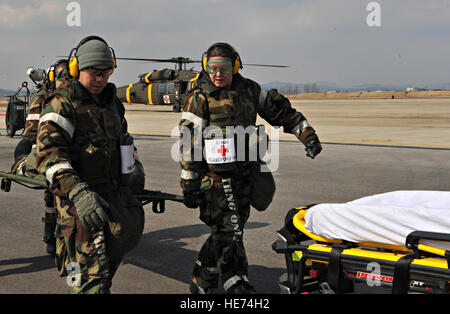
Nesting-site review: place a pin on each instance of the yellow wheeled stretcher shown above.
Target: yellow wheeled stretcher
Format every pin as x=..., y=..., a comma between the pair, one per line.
x=319, y=264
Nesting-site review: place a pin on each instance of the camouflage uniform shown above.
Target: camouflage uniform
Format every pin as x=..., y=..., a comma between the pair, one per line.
x=226, y=206
x=78, y=141
x=25, y=164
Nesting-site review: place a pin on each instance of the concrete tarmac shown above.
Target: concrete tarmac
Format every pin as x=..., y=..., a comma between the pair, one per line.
x=162, y=261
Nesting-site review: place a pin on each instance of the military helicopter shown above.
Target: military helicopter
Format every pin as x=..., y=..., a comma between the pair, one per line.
x=166, y=86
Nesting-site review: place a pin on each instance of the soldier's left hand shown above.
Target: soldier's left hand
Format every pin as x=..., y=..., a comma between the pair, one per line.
x=313, y=149
x=191, y=200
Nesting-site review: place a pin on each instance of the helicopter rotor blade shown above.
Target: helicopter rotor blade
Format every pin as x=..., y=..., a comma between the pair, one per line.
x=187, y=60
x=170, y=60
x=146, y=59
x=136, y=59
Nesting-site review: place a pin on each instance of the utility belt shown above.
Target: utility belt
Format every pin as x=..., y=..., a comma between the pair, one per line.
x=227, y=147
x=109, y=181
x=252, y=183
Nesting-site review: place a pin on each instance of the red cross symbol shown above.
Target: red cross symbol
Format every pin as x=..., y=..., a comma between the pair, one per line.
x=223, y=150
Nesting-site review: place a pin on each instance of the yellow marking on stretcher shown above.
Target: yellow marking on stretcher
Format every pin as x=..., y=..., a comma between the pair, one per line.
x=387, y=256
x=432, y=262
x=359, y=252
x=431, y=249
x=297, y=256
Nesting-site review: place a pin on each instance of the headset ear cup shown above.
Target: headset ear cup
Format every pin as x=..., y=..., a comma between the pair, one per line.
x=114, y=65
x=237, y=66
x=51, y=76
x=113, y=60
x=205, y=60
x=73, y=67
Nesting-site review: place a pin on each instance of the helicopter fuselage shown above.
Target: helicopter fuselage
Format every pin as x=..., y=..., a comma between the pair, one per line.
x=162, y=87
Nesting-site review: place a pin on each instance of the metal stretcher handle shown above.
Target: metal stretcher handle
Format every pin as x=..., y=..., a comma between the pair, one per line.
x=412, y=242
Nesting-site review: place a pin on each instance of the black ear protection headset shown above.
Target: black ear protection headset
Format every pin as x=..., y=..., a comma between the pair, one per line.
x=73, y=61
x=51, y=73
x=236, y=60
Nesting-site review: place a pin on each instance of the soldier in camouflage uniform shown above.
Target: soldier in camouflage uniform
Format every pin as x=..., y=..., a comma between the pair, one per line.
x=25, y=152
x=81, y=129
x=223, y=98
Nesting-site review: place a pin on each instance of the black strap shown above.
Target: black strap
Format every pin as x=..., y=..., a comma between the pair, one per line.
x=401, y=281
x=300, y=274
x=335, y=268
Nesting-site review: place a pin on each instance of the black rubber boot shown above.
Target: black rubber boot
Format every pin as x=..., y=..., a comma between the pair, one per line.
x=241, y=287
x=196, y=289
x=49, y=232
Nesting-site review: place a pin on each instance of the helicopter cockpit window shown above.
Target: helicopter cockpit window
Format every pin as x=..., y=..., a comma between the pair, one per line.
x=170, y=88
x=162, y=88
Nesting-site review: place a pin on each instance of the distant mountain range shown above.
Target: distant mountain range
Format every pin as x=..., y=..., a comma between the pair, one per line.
x=6, y=92
x=295, y=88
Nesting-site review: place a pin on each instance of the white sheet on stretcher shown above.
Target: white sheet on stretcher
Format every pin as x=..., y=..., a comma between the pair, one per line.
x=383, y=218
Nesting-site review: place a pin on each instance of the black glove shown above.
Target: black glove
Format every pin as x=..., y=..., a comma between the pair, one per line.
x=313, y=149
x=191, y=190
x=313, y=146
x=191, y=200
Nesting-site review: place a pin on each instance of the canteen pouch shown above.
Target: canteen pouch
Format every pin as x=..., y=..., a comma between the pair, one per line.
x=132, y=171
x=263, y=188
x=126, y=223
x=126, y=153
x=135, y=181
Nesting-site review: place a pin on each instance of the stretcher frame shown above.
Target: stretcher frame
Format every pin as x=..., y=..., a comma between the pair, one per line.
x=318, y=264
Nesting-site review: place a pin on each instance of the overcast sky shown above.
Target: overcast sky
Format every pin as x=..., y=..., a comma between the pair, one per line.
x=321, y=40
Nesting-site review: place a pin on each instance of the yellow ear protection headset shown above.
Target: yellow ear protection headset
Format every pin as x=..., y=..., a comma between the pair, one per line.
x=51, y=73
x=236, y=60
x=73, y=62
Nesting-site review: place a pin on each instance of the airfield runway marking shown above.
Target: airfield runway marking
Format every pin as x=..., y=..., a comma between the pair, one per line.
x=142, y=136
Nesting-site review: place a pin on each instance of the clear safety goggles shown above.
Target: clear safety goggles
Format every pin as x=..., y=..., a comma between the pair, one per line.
x=223, y=66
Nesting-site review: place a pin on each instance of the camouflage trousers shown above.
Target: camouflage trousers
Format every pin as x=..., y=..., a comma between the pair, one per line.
x=25, y=165
x=50, y=215
x=90, y=258
x=225, y=210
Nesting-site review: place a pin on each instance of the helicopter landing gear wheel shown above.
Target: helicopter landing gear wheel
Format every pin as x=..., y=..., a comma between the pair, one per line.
x=176, y=107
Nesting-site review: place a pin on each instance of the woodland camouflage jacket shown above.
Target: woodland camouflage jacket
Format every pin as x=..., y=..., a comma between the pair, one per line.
x=208, y=105
x=78, y=138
